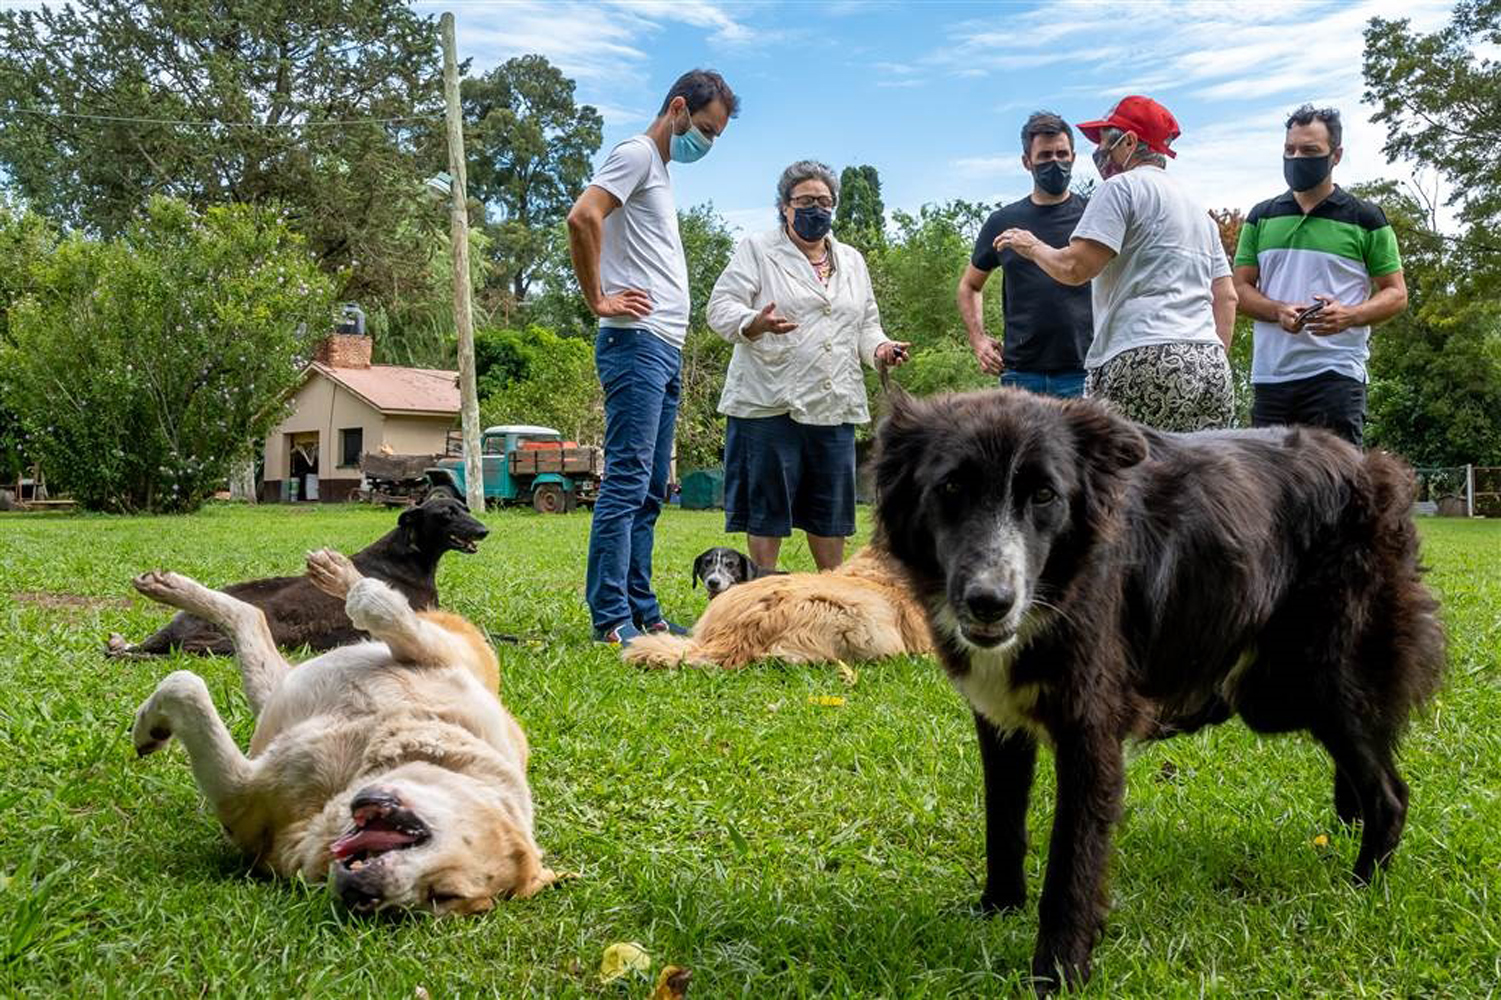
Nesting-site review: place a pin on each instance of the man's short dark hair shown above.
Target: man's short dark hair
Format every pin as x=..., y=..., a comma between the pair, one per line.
x=1308, y=114
x=700, y=86
x=1044, y=123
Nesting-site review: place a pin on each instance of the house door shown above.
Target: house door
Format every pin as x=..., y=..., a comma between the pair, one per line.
x=303, y=472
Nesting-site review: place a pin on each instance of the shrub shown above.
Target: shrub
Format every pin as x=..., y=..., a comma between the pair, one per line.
x=142, y=367
x=534, y=376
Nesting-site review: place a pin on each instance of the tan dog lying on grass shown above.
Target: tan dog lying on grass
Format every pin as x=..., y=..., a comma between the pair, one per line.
x=860, y=611
x=389, y=767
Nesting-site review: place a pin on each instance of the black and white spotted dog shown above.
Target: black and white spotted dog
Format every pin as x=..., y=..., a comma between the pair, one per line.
x=721, y=568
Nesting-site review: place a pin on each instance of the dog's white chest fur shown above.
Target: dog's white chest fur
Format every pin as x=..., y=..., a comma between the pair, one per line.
x=988, y=685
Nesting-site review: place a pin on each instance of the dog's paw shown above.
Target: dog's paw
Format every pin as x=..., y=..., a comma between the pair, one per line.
x=117, y=647
x=152, y=729
x=166, y=587
x=332, y=572
x=992, y=903
x=178, y=695
x=1055, y=968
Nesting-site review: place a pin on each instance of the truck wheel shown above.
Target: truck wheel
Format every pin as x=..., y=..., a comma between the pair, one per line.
x=441, y=492
x=549, y=498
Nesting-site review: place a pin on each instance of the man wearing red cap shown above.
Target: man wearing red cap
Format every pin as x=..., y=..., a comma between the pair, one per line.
x=1164, y=301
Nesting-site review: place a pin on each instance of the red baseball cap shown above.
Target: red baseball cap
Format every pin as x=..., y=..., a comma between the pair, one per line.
x=1152, y=123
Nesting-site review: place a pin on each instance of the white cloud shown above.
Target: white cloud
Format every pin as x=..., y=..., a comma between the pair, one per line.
x=614, y=115
x=598, y=43
x=988, y=166
x=1233, y=70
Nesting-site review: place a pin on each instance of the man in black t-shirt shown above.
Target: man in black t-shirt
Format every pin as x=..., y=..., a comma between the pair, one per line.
x=1048, y=325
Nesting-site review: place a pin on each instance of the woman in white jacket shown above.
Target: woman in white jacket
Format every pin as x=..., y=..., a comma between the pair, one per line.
x=797, y=304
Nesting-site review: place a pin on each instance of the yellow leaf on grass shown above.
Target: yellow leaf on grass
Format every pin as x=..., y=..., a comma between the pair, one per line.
x=826, y=700
x=621, y=959
x=847, y=673
x=1322, y=840
x=672, y=984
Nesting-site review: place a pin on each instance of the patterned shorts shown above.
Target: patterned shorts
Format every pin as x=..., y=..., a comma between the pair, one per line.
x=1172, y=387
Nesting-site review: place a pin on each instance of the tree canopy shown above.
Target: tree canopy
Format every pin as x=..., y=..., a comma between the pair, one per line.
x=1441, y=103
x=528, y=145
x=107, y=103
x=140, y=367
x=861, y=220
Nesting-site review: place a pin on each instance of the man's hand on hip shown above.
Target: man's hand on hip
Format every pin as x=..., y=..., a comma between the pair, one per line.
x=631, y=302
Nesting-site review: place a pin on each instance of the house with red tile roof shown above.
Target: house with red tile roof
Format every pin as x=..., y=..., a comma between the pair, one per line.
x=346, y=406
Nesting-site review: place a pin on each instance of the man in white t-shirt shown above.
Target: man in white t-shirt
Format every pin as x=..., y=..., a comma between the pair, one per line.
x=628, y=257
x=1164, y=300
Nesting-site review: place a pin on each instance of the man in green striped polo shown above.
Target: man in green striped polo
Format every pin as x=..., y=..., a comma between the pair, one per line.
x=1316, y=267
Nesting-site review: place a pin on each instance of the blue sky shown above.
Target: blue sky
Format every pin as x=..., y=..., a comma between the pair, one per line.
x=933, y=94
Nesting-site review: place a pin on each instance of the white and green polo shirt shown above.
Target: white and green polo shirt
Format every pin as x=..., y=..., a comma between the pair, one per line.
x=1334, y=250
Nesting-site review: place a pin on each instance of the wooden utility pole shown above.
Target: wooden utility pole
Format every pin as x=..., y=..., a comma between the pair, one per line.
x=463, y=312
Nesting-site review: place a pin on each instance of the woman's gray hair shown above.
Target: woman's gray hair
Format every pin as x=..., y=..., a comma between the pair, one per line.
x=1144, y=153
x=804, y=170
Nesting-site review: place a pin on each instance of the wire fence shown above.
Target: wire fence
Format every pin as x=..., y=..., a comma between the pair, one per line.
x=1459, y=491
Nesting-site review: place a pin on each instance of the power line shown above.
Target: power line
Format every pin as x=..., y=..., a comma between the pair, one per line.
x=216, y=124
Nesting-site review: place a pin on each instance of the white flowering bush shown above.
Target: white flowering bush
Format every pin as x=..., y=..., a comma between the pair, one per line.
x=138, y=369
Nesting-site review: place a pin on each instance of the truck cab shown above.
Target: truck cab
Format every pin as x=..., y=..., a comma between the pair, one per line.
x=524, y=463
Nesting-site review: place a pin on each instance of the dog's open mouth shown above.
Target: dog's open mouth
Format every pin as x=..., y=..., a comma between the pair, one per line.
x=379, y=828
x=470, y=545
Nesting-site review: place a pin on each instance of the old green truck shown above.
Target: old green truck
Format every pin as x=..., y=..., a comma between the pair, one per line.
x=524, y=463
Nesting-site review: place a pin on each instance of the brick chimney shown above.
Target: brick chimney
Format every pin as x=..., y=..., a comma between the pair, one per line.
x=344, y=350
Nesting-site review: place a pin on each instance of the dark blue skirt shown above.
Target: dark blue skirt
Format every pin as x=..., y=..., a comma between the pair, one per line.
x=780, y=474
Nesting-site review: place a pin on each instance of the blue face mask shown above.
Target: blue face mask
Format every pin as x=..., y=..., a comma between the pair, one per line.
x=690, y=145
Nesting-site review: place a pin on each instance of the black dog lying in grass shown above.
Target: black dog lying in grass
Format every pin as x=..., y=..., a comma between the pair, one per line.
x=300, y=614
x=1089, y=580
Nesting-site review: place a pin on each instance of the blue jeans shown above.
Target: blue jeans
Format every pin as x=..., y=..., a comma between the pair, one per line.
x=1066, y=384
x=640, y=374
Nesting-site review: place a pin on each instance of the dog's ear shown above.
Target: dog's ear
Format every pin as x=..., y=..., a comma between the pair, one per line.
x=410, y=516
x=698, y=568
x=1109, y=442
x=748, y=569
x=531, y=876
x=901, y=440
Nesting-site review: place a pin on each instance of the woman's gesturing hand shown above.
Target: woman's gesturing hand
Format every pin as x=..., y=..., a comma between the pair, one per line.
x=768, y=320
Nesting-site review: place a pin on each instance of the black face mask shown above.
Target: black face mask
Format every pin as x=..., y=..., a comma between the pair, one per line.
x=1053, y=175
x=1305, y=172
x=812, y=223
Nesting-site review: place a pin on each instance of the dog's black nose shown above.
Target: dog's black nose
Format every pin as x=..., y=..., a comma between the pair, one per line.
x=480, y=530
x=988, y=604
x=374, y=797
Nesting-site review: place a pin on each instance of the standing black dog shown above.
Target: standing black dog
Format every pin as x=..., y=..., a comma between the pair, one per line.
x=301, y=614
x=1089, y=580
x=721, y=568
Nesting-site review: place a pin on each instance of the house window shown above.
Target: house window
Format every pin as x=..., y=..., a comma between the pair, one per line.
x=351, y=444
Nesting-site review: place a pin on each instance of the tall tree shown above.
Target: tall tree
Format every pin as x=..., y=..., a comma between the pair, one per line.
x=529, y=149
x=1441, y=103
x=105, y=103
x=915, y=276
x=1435, y=393
x=861, y=221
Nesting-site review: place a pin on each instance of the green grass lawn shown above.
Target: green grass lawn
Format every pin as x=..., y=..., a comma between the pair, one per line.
x=726, y=821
